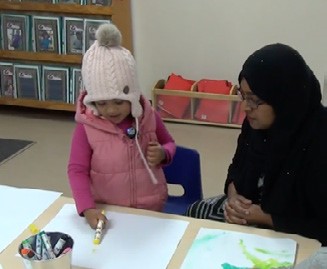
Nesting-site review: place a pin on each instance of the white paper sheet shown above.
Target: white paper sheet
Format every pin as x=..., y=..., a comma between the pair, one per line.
x=19, y=208
x=215, y=249
x=131, y=241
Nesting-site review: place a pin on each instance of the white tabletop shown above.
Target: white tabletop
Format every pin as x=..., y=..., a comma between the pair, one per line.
x=306, y=247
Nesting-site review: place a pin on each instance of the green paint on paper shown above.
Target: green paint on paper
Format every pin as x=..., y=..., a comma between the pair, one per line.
x=229, y=266
x=258, y=263
x=262, y=264
x=264, y=251
x=204, y=239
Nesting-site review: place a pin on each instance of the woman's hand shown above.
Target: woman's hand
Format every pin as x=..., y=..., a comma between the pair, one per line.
x=93, y=216
x=258, y=217
x=236, y=207
x=155, y=154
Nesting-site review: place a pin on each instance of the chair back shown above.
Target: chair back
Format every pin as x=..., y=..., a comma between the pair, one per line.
x=185, y=170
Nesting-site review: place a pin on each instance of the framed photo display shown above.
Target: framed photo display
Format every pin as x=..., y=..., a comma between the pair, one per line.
x=27, y=81
x=98, y=2
x=73, y=35
x=38, y=1
x=7, y=87
x=46, y=34
x=15, y=32
x=76, y=84
x=78, y=2
x=55, y=83
x=90, y=28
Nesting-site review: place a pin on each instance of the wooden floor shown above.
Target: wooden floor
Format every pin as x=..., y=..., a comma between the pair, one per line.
x=44, y=164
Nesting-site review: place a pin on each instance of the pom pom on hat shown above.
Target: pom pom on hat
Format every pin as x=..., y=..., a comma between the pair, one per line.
x=109, y=71
x=108, y=35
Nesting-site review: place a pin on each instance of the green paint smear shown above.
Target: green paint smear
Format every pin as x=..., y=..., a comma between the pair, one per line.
x=261, y=264
x=229, y=266
x=257, y=263
x=264, y=251
x=204, y=239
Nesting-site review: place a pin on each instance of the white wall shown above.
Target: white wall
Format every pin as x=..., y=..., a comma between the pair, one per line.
x=212, y=38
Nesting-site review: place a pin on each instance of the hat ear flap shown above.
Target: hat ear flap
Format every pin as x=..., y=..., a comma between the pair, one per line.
x=136, y=108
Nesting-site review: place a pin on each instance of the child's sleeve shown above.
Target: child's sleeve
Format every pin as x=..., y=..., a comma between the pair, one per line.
x=79, y=170
x=165, y=140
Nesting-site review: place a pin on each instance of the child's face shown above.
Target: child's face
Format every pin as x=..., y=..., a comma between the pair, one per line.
x=115, y=110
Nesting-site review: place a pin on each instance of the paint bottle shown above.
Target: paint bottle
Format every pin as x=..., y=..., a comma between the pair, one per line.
x=98, y=231
x=26, y=244
x=47, y=245
x=59, y=245
x=27, y=253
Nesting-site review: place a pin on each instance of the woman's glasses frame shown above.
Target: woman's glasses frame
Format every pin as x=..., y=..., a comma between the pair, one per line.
x=251, y=100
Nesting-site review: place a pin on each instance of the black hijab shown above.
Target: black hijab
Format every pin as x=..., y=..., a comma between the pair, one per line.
x=279, y=75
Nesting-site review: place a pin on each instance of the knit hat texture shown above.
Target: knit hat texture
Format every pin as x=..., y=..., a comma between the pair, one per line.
x=109, y=71
x=279, y=75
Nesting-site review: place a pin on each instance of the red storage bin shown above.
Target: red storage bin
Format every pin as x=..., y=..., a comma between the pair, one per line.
x=238, y=113
x=217, y=111
x=175, y=106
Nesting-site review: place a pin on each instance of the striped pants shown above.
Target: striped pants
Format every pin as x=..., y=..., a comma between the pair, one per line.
x=210, y=208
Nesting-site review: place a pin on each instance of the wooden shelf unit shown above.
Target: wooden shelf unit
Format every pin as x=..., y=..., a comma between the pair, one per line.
x=119, y=12
x=195, y=96
x=29, y=56
x=37, y=104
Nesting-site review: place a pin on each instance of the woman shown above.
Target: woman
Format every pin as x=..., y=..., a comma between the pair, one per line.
x=278, y=176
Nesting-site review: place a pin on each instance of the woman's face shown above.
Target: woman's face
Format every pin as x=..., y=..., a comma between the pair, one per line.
x=259, y=114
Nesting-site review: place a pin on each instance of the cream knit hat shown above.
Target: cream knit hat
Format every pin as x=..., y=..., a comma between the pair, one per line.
x=109, y=71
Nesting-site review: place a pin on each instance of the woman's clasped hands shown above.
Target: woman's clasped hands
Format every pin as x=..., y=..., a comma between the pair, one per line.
x=240, y=210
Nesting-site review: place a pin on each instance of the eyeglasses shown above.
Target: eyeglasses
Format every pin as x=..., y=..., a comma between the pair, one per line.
x=252, y=101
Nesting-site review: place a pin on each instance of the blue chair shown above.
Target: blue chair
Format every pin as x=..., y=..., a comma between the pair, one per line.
x=185, y=170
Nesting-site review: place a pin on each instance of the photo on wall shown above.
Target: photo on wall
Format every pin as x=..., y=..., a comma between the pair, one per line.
x=15, y=32
x=7, y=88
x=73, y=35
x=90, y=28
x=46, y=35
x=55, y=83
x=27, y=81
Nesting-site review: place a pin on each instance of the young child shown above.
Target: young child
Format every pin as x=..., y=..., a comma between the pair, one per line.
x=120, y=143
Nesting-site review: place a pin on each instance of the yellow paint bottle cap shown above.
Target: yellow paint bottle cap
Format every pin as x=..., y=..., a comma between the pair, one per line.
x=33, y=229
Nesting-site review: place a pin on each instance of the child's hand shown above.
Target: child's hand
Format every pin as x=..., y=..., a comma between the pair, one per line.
x=155, y=153
x=93, y=215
